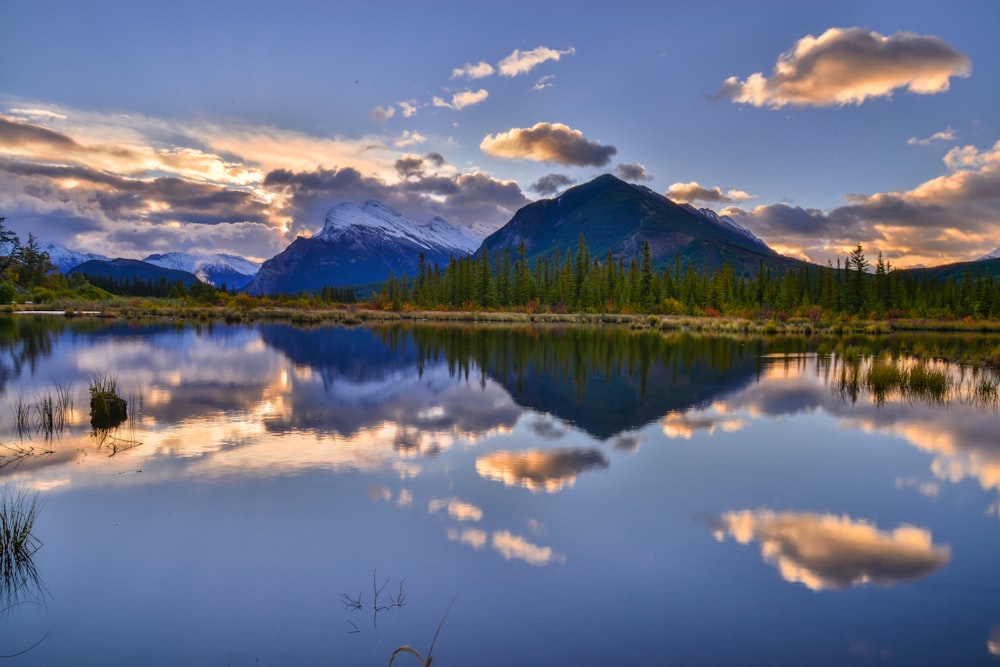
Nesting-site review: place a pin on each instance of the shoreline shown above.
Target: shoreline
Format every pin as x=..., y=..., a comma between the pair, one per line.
x=351, y=315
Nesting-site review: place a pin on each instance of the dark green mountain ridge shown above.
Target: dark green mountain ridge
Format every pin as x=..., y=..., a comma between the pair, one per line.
x=620, y=217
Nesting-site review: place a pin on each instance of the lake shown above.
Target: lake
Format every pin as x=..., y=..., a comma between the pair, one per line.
x=513, y=496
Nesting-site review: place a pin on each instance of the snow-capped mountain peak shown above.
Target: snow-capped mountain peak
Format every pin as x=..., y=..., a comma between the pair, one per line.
x=214, y=268
x=993, y=255
x=373, y=215
x=65, y=259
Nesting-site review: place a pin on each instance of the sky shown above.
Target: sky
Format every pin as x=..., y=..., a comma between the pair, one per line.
x=130, y=128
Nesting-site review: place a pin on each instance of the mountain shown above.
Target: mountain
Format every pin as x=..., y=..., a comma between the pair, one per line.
x=218, y=269
x=360, y=245
x=65, y=259
x=985, y=266
x=620, y=217
x=129, y=269
x=993, y=255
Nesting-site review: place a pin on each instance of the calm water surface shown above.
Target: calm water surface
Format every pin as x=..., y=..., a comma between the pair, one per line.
x=538, y=496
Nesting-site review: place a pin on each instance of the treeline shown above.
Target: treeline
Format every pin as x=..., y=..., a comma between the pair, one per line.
x=575, y=281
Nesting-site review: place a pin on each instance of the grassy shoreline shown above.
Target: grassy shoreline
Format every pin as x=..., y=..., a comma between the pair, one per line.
x=134, y=309
x=984, y=352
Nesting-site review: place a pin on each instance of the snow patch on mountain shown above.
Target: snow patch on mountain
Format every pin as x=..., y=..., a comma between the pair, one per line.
x=435, y=234
x=993, y=255
x=65, y=259
x=711, y=215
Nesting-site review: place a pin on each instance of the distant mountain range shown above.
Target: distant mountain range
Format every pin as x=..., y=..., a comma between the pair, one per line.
x=359, y=245
x=362, y=245
x=217, y=269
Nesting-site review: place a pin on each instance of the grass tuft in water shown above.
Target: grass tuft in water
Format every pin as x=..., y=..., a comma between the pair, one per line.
x=107, y=408
x=886, y=377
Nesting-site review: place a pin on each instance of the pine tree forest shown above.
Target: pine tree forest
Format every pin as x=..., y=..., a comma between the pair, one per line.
x=578, y=282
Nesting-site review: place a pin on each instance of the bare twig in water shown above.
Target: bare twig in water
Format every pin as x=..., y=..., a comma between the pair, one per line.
x=400, y=599
x=354, y=604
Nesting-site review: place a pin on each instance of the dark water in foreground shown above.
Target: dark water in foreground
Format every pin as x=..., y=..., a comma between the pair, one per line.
x=556, y=496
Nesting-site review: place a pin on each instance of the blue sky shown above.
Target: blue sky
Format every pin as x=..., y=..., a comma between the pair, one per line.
x=129, y=128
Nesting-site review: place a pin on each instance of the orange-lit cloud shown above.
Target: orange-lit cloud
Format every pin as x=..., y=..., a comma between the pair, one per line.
x=829, y=552
x=548, y=142
x=692, y=192
x=686, y=424
x=951, y=218
x=547, y=470
x=851, y=65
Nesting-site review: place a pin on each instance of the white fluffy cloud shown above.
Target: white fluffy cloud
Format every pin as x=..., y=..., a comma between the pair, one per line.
x=522, y=62
x=459, y=101
x=480, y=70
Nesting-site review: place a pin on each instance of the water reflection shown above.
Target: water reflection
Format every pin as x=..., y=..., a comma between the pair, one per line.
x=547, y=470
x=829, y=552
x=466, y=440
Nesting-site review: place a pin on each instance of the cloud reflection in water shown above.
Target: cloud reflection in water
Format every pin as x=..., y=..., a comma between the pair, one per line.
x=539, y=469
x=829, y=552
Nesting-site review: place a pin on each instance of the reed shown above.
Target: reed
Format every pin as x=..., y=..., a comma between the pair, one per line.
x=885, y=377
x=19, y=580
x=22, y=417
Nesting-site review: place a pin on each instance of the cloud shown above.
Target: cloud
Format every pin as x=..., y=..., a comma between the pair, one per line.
x=462, y=100
x=408, y=108
x=410, y=166
x=544, y=82
x=551, y=184
x=633, y=172
x=381, y=114
x=473, y=537
x=946, y=135
x=951, y=218
x=684, y=425
x=540, y=470
x=457, y=509
x=512, y=546
x=548, y=142
x=522, y=62
x=436, y=158
x=85, y=177
x=692, y=192
x=408, y=138
x=829, y=552
x=850, y=65
x=38, y=113
x=474, y=199
x=480, y=70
